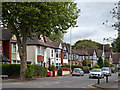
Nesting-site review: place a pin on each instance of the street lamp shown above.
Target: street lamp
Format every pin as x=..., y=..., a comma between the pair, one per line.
x=70, y=45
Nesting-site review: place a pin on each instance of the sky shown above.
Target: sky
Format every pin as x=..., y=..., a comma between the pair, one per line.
x=90, y=23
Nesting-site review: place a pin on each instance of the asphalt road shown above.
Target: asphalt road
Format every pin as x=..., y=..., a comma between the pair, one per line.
x=58, y=82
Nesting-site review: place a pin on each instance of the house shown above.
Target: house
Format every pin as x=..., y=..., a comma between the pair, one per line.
x=53, y=52
x=116, y=59
x=92, y=56
x=107, y=55
x=36, y=51
x=9, y=47
x=64, y=54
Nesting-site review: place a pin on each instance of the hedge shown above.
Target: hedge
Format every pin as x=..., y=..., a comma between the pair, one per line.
x=13, y=70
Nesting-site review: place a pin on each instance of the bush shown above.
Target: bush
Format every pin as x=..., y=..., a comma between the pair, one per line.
x=95, y=66
x=12, y=70
x=85, y=69
x=116, y=69
x=86, y=63
x=52, y=67
x=106, y=63
x=65, y=68
x=30, y=71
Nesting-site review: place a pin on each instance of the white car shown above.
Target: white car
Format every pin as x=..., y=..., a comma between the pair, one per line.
x=77, y=72
x=106, y=71
x=96, y=73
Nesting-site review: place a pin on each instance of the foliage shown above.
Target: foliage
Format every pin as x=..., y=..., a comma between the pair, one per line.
x=100, y=62
x=52, y=67
x=116, y=69
x=26, y=18
x=30, y=71
x=88, y=44
x=12, y=70
x=106, y=63
x=65, y=68
x=116, y=44
x=85, y=69
x=56, y=37
x=95, y=66
x=116, y=25
x=86, y=63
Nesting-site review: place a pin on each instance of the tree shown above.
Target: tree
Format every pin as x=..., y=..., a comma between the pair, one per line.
x=86, y=63
x=32, y=19
x=116, y=25
x=106, y=63
x=56, y=37
x=100, y=62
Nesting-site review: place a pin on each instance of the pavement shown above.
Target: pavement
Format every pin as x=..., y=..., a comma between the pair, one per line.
x=112, y=84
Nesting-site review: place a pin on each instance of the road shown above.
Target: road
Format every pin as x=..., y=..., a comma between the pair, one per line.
x=58, y=82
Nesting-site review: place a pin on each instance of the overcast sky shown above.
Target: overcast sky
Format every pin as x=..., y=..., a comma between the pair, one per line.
x=92, y=15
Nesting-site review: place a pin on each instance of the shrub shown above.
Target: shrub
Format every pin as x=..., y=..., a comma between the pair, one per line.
x=52, y=67
x=95, y=66
x=85, y=69
x=100, y=62
x=116, y=69
x=65, y=68
x=29, y=71
x=86, y=63
x=106, y=63
x=12, y=70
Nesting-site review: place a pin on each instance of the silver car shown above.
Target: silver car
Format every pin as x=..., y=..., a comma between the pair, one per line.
x=96, y=73
x=106, y=71
x=77, y=72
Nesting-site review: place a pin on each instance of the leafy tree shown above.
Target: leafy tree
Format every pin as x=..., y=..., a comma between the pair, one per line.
x=116, y=25
x=106, y=63
x=56, y=37
x=86, y=63
x=87, y=44
x=100, y=62
x=32, y=19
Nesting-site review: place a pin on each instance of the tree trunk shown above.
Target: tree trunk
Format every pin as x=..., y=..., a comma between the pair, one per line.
x=23, y=58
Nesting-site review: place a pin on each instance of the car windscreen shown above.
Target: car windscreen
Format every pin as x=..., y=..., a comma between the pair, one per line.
x=76, y=70
x=105, y=69
x=95, y=70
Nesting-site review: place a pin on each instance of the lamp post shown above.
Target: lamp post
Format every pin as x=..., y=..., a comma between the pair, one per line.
x=70, y=45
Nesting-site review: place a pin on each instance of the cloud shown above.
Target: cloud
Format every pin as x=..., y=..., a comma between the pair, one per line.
x=90, y=22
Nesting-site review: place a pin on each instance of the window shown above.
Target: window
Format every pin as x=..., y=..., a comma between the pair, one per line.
x=14, y=48
x=65, y=55
x=40, y=50
x=52, y=53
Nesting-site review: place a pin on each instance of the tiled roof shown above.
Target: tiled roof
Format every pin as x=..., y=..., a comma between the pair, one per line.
x=90, y=51
x=99, y=53
x=36, y=41
x=107, y=54
x=6, y=34
x=116, y=58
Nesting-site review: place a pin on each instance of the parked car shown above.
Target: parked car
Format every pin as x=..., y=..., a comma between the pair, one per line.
x=119, y=71
x=106, y=71
x=113, y=70
x=48, y=73
x=77, y=72
x=96, y=73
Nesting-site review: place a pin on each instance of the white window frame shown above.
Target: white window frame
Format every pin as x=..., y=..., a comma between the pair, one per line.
x=13, y=47
x=41, y=48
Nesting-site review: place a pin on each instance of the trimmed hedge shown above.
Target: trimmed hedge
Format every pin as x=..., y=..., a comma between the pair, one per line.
x=13, y=70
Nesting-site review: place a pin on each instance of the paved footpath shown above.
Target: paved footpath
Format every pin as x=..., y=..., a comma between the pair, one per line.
x=114, y=83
